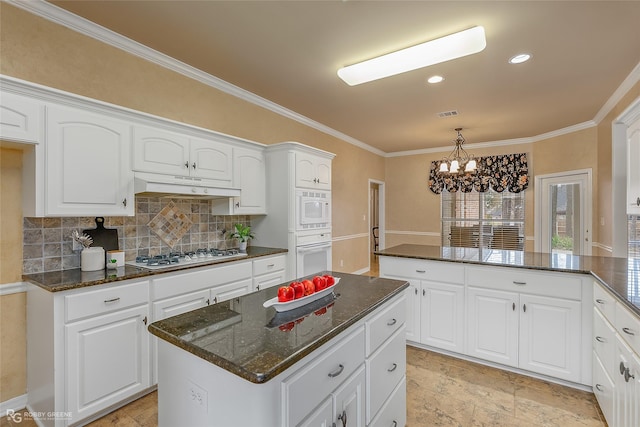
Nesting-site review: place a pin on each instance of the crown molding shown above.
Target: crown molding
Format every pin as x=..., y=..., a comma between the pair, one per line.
x=623, y=89
x=83, y=26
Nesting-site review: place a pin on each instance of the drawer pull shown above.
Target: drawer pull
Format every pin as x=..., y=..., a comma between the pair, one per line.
x=628, y=376
x=599, y=387
x=394, y=423
x=515, y=282
x=600, y=339
x=392, y=322
x=337, y=371
x=622, y=368
x=600, y=301
x=145, y=320
x=627, y=331
x=421, y=271
x=392, y=368
x=416, y=289
x=270, y=265
x=343, y=417
x=109, y=301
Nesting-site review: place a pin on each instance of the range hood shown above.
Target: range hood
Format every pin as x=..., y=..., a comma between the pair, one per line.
x=156, y=185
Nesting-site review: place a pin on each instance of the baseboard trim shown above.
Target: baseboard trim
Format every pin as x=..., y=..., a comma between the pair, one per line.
x=15, y=404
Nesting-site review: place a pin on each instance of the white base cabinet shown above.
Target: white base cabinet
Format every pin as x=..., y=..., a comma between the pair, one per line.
x=616, y=359
x=537, y=322
x=88, y=349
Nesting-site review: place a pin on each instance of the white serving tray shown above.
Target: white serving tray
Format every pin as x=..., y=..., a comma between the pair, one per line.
x=296, y=303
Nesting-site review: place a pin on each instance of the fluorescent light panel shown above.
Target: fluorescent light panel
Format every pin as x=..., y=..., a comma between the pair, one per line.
x=446, y=48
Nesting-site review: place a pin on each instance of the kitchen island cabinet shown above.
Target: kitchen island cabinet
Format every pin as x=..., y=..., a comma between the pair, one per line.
x=347, y=364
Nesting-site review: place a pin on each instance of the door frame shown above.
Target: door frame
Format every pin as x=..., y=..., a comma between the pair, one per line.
x=381, y=214
x=588, y=201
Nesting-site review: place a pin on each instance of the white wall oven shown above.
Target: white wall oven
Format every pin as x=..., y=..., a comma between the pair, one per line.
x=313, y=254
x=313, y=209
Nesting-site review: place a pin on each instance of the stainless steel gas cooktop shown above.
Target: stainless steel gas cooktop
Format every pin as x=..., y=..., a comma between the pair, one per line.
x=176, y=259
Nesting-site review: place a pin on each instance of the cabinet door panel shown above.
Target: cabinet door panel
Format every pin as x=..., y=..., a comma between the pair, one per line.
x=212, y=160
x=550, y=336
x=323, y=172
x=230, y=290
x=492, y=325
x=19, y=118
x=305, y=171
x=603, y=389
x=249, y=176
x=180, y=304
x=412, y=325
x=349, y=401
x=442, y=317
x=87, y=164
x=107, y=360
x=160, y=151
x=321, y=416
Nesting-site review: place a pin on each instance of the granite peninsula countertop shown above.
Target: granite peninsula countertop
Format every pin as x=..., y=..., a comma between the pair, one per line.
x=56, y=281
x=621, y=276
x=257, y=343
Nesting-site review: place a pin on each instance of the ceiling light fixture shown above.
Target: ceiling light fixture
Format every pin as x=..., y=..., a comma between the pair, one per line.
x=520, y=58
x=459, y=161
x=435, y=79
x=446, y=48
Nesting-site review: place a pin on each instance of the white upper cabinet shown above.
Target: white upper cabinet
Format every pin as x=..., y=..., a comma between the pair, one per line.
x=633, y=169
x=87, y=164
x=313, y=171
x=170, y=153
x=20, y=118
x=249, y=175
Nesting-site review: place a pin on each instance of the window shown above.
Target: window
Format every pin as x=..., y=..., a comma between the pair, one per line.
x=486, y=220
x=634, y=236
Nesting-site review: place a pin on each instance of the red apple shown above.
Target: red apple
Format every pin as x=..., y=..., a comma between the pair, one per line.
x=320, y=283
x=309, y=287
x=298, y=289
x=285, y=294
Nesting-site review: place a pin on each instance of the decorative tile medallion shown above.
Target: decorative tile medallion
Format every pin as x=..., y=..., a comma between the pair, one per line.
x=170, y=224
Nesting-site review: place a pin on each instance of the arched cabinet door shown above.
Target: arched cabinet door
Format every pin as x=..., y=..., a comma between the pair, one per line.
x=87, y=164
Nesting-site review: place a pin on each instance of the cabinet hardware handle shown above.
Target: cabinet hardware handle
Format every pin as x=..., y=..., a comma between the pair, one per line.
x=208, y=301
x=628, y=376
x=421, y=271
x=343, y=417
x=186, y=165
x=145, y=320
x=513, y=306
x=622, y=368
x=237, y=204
x=392, y=368
x=524, y=307
x=124, y=202
x=515, y=282
x=109, y=301
x=392, y=322
x=394, y=423
x=215, y=299
x=416, y=289
x=600, y=339
x=638, y=201
x=194, y=165
x=424, y=292
x=600, y=301
x=627, y=331
x=270, y=265
x=337, y=371
x=599, y=387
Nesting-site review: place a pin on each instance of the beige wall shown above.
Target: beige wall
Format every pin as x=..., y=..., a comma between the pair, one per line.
x=12, y=307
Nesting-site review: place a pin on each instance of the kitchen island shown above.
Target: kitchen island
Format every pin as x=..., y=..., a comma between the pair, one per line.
x=238, y=363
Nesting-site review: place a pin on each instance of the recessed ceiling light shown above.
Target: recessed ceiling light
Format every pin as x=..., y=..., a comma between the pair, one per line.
x=520, y=58
x=435, y=79
x=422, y=55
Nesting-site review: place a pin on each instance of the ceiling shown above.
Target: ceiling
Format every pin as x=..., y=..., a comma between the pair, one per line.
x=289, y=51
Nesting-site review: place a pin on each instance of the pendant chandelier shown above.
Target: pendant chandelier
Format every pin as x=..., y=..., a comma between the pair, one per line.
x=459, y=161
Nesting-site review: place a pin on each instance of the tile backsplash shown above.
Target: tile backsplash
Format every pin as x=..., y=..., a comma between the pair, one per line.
x=48, y=246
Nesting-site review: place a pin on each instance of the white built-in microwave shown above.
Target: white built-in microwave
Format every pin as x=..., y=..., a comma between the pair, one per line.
x=313, y=209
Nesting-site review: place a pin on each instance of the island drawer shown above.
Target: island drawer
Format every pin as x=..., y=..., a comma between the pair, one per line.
x=517, y=280
x=605, y=302
x=604, y=339
x=269, y=265
x=321, y=376
x=384, y=324
x=394, y=411
x=420, y=269
x=385, y=369
x=628, y=326
x=105, y=300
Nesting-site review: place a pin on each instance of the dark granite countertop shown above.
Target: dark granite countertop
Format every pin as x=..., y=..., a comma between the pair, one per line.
x=620, y=275
x=257, y=343
x=56, y=281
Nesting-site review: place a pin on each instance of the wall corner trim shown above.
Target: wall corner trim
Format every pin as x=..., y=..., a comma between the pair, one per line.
x=13, y=288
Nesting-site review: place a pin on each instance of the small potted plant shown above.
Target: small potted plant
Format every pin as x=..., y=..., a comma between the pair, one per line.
x=242, y=233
